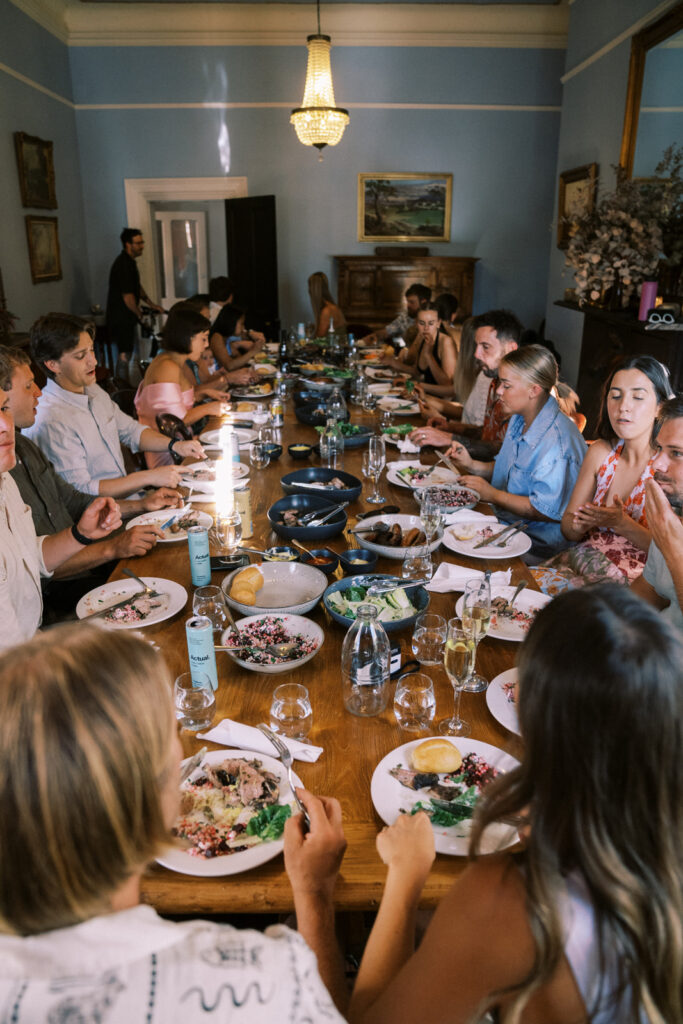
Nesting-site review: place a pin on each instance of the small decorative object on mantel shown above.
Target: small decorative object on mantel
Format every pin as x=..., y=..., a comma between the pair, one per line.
x=36, y=172
x=576, y=199
x=634, y=234
x=43, y=249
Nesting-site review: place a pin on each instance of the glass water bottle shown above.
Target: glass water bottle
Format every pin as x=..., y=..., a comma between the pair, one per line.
x=365, y=665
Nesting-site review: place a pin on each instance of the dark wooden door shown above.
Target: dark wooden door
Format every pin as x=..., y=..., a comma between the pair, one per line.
x=252, y=259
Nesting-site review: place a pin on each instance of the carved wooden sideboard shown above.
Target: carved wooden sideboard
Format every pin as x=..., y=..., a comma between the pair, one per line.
x=371, y=288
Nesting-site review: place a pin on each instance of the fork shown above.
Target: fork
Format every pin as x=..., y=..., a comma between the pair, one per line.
x=286, y=758
x=149, y=591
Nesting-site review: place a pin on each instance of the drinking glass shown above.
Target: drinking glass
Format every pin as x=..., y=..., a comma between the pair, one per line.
x=377, y=457
x=291, y=714
x=258, y=454
x=476, y=619
x=430, y=515
x=457, y=660
x=210, y=602
x=414, y=702
x=417, y=564
x=195, y=701
x=260, y=417
x=429, y=637
x=384, y=420
x=369, y=402
x=226, y=532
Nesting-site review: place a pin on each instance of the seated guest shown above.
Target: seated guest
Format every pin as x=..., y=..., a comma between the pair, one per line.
x=612, y=530
x=432, y=357
x=56, y=505
x=169, y=385
x=417, y=296
x=221, y=293
x=470, y=387
x=584, y=923
x=25, y=557
x=662, y=581
x=325, y=309
x=209, y=382
x=79, y=428
x=534, y=473
x=90, y=792
x=233, y=347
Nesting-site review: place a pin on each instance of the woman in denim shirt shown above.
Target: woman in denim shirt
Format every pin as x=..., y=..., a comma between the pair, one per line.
x=534, y=473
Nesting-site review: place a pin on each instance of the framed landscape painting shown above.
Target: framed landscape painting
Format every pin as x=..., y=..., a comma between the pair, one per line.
x=576, y=198
x=404, y=207
x=43, y=249
x=36, y=172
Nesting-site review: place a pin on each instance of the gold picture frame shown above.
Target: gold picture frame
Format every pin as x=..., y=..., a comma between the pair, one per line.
x=42, y=234
x=576, y=198
x=404, y=207
x=36, y=172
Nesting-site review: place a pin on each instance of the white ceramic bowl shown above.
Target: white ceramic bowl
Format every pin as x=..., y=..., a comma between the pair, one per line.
x=293, y=624
x=291, y=587
x=406, y=523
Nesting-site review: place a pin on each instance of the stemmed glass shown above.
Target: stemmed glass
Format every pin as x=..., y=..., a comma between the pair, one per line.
x=431, y=515
x=376, y=460
x=209, y=601
x=476, y=619
x=258, y=454
x=458, y=657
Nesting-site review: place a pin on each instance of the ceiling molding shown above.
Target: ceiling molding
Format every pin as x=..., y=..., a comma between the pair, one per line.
x=49, y=14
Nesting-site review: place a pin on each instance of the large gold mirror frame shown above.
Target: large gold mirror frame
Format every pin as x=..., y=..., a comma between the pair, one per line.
x=654, y=34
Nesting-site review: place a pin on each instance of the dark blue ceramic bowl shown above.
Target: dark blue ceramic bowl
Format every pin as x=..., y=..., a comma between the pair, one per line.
x=300, y=482
x=306, y=503
x=313, y=414
x=274, y=450
x=357, y=561
x=300, y=450
x=330, y=567
x=418, y=595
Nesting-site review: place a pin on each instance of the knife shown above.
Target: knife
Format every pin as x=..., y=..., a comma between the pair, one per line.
x=122, y=604
x=447, y=462
x=497, y=536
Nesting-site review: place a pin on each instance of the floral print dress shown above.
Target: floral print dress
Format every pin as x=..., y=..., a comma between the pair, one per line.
x=603, y=555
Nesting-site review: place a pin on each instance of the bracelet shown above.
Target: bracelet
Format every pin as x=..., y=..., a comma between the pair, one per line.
x=170, y=444
x=78, y=536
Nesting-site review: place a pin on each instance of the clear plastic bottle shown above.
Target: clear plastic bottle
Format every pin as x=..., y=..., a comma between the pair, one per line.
x=365, y=665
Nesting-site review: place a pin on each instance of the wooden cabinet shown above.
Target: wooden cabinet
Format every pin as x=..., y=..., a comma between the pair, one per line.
x=371, y=288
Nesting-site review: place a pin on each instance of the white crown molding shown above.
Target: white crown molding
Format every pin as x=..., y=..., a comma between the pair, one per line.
x=289, y=104
x=354, y=24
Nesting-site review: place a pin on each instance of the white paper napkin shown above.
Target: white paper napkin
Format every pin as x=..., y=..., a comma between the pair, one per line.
x=454, y=577
x=246, y=737
x=466, y=515
x=407, y=447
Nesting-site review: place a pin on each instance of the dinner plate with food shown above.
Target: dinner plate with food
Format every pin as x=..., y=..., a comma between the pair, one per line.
x=448, y=497
x=291, y=587
x=201, y=476
x=402, y=405
x=232, y=814
x=394, y=536
x=414, y=474
x=122, y=604
x=252, y=390
x=464, y=536
x=501, y=698
x=174, y=523
x=255, y=644
x=397, y=432
x=511, y=625
x=216, y=438
x=444, y=777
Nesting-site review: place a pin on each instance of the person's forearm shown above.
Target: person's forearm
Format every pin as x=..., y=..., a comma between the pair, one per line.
x=152, y=441
x=129, y=300
x=120, y=486
x=391, y=943
x=570, y=531
x=87, y=558
x=482, y=469
x=193, y=415
x=58, y=547
x=440, y=376
x=315, y=923
x=639, y=535
x=464, y=429
x=441, y=390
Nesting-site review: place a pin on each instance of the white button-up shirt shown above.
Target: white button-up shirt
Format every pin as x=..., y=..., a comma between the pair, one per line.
x=21, y=566
x=81, y=435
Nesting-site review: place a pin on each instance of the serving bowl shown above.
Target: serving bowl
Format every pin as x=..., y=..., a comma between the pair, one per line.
x=303, y=503
x=288, y=587
x=294, y=624
x=406, y=523
x=313, y=480
x=418, y=596
x=329, y=568
x=314, y=414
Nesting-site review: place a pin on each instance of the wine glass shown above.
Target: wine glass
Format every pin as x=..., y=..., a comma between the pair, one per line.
x=476, y=619
x=258, y=454
x=458, y=657
x=210, y=602
x=377, y=457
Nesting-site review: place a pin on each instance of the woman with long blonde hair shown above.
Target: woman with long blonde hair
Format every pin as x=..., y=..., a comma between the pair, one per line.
x=325, y=308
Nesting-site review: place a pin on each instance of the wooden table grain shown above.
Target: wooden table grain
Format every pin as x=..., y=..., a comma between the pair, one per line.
x=352, y=746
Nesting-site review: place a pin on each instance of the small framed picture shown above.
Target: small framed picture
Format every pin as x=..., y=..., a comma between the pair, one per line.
x=43, y=249
x=36, y=172
x=404, y=207
x=576, y=199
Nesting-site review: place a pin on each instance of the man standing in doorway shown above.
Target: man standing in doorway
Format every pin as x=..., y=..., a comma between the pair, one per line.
x=123, y=298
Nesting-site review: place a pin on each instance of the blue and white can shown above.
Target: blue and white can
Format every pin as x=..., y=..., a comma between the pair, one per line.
x=200, y=650
x=200, y=559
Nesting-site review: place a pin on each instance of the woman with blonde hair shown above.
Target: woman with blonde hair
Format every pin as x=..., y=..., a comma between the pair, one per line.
x=89, y=791
x=325, y=309
x=584, y=924
x=533, y=474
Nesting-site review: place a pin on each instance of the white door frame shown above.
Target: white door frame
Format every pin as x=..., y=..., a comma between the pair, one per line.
x=140, y=192
x=165, y=218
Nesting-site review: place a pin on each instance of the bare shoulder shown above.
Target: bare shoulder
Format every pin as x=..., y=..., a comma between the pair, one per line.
x=163, y=370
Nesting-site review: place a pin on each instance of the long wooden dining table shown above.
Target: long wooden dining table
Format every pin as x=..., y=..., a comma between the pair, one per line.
x=352, y=746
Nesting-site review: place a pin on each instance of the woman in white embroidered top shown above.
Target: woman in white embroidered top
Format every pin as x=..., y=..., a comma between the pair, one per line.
x=584, y=924
x=89, y=790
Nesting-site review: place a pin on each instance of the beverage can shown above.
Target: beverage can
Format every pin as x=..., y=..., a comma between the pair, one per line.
x=243, y=506
x=200, y=559
x=200, y=650
x=277, y=412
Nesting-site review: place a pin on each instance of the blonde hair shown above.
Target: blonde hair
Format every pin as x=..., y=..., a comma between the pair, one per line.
x=467, y=369
x=86, y=727
x=535, y=363
x=319, y=291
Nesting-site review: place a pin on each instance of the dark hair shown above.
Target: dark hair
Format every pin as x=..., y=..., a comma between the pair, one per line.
x=56, y=333
x=221, y=289
x=182, y=324
x=128, y=234
x=672, y=409
x=10, y=358
x=227, y=320
x=447, y=306
x=199, y=301
x=422, y=292
x=656, y=373
x=502, y=321
x=601, y=715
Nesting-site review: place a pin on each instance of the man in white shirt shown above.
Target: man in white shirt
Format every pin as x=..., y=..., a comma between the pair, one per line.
x=78, y=426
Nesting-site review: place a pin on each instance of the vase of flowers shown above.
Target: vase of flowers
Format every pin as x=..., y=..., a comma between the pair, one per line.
x=630, y=235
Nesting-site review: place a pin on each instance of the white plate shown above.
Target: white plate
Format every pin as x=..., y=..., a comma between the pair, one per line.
x=526, y=601
x=265, y=369
x=503, y=710
x=111, y=593
x=212, y=438
x=381, y=389
x=238, y=470
x=390, y=797
x=177, y=859
x=385, y=376
x=437, y=478
x=162, y=516
x=515, y=547
x=406, y=523
x=399, y=405
x=292, y=624
x=292, y=587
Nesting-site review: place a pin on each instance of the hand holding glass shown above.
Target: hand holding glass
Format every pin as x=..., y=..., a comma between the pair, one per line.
x=457, y=659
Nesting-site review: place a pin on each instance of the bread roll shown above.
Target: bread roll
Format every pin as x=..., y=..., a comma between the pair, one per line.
x=243, y=595
x=251, y=576
x=437, y=755
x=244, y=407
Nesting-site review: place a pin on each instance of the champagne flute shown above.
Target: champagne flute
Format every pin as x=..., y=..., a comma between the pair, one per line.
x=476, y=619
x=377, y=453
x=458, y=657
x=431, y=516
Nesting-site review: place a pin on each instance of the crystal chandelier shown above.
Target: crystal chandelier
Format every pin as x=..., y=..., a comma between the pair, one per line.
x=319, y=122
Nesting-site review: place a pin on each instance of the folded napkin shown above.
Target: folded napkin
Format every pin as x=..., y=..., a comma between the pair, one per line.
x=246, y=737
x=407, y=447
x=466, y=515
x=454, y=577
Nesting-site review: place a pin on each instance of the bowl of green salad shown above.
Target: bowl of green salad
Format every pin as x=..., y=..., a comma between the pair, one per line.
x=396, y=609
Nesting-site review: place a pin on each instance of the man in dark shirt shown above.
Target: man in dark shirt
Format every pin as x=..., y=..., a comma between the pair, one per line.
x=123, y=298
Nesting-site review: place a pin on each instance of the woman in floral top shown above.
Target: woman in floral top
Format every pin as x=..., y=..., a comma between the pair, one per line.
x=612, y=530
